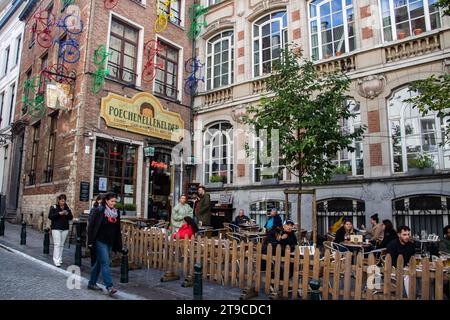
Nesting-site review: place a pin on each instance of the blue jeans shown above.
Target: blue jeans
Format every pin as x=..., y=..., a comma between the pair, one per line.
x=102, y=251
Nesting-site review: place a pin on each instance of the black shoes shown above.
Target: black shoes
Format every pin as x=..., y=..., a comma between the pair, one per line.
x=94, y=287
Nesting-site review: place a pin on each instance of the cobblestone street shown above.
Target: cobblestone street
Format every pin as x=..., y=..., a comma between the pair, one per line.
x=25, y=278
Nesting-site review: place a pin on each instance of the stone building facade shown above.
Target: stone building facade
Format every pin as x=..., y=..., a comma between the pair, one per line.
x=382, y=45
x=92, y=142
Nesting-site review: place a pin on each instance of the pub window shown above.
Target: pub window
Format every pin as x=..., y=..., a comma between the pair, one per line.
x=260, y=210
x=166, y=82
x=26, y=92
x=18, y=43
x=48, y=172
x=115, y=170
x=44, y=65
x=34, y=154
x=123, y=43
x=5, y=70
x=173, y=9
x=33, y=35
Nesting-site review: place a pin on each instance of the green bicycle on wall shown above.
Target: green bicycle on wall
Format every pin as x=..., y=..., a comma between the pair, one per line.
x=100, y=56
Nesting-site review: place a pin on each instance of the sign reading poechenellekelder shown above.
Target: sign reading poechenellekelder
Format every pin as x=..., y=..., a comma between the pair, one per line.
x=142, y=114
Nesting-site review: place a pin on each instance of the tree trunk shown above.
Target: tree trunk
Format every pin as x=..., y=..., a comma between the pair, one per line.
x=299, y=205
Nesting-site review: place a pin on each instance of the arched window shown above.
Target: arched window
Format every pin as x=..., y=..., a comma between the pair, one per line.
x=269, y=36
x=218, y=153
x=354, y=161
x=332, y=27
x=329, y=211
x=260, y=210
x=220, y=60
x=414, y=135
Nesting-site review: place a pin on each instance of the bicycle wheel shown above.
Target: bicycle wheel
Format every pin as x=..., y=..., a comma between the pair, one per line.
x=149, y=72
x=190, y=87
x=151, y=48
x=190, y=65
x=71, y=53
x=110, y=4
x=72, y=24
x=44, y=38
x=98, y=82
x=161, y=23
x=57, y=72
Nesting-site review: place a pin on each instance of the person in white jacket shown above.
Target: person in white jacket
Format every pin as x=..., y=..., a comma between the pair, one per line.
x=181, y=210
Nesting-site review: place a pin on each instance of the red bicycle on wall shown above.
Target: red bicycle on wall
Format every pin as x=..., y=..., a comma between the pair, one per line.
x=151, y=50
x=110, y=4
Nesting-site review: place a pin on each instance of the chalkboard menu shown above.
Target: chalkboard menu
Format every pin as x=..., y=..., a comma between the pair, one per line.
x=84, y=191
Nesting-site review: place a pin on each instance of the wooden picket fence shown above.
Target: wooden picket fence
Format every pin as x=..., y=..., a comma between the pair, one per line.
x=229, y=263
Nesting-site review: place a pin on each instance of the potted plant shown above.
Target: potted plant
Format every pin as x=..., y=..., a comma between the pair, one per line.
x=341, y=172
x=418, y=31
x=130, y=209
x=421, y=164
x=269, y=179
x=119, y=206
x=216, y=181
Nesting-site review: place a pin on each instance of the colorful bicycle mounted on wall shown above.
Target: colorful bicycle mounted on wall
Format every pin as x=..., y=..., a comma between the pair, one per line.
x=195, y=12
x=151, y=50
x=193, y=66
x=70, y=24
x=100, y=56
x=163, y=17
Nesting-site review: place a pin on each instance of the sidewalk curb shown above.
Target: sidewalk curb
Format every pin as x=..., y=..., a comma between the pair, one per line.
x=84, y=281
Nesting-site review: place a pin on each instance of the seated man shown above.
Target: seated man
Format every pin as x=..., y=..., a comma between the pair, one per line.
x=401, y=246
x=444, y=244
x=241, y=218
x=287, y=237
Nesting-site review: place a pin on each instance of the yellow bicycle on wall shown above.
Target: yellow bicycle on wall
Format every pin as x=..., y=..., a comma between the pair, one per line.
x=163, y=17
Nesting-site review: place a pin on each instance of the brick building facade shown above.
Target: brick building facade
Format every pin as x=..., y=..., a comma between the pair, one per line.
x=64, y=151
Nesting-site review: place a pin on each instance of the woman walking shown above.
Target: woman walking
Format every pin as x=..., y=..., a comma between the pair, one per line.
x=104, y=236
x=60, y=215
x=98, y=202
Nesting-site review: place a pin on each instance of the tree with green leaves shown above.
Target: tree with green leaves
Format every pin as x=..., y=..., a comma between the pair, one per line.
x=445, y=5
x=308, y=110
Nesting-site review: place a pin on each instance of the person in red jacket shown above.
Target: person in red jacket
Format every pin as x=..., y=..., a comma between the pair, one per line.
x=188, y=228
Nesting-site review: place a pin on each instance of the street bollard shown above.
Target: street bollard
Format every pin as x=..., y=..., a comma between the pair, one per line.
x=2, y=226
x=198, y=282
x=46, y=241
x=78, y=246
x=23, y=234
x=315, y=292
x=124, y=267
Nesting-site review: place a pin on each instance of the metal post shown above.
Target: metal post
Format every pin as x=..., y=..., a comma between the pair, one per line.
x=124, y=267
x=198, y=282
x=46, y=241
x=78, y=246
x=2, y=226
x=23, y=234
x=315, y=292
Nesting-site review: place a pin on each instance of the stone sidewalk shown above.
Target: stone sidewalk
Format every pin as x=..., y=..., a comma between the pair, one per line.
x=143, y=283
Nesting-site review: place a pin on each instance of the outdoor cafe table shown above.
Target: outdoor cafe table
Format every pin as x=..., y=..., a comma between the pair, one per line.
x=249, y=235
x=249, y=227
x=356, y=246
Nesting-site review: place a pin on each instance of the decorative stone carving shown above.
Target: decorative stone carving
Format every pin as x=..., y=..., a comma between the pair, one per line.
x=367, y=194
x=388, y=193
x=371, y=86
x=238, y=112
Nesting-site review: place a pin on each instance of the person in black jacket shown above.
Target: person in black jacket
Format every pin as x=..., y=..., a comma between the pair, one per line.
x=344, y=232
x=401, y=246
x=274, y=221
x=104, y=236
x=287, y=237
x=60, y=215
x=389, y=234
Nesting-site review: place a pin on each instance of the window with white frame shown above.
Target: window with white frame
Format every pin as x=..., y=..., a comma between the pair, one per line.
x=213, y=2
x=218, y=153
x=354, y=161
x=172, y=8
x=264, y=168
x=332, y=26
x=269, y=36
x=414, y=135
x=404, y=18
x=6, y=59
x=18, y=46
x=220, y=60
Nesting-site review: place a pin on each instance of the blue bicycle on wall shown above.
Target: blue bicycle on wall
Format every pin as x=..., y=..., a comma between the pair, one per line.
x=193, y=66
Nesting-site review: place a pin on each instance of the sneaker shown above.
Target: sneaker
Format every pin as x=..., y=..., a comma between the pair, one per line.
x=94, y=287
x=111, y=290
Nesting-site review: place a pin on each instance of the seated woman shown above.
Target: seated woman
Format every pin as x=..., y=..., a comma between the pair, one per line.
x=188, y=228
x=389, y=234
x=344, y=232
